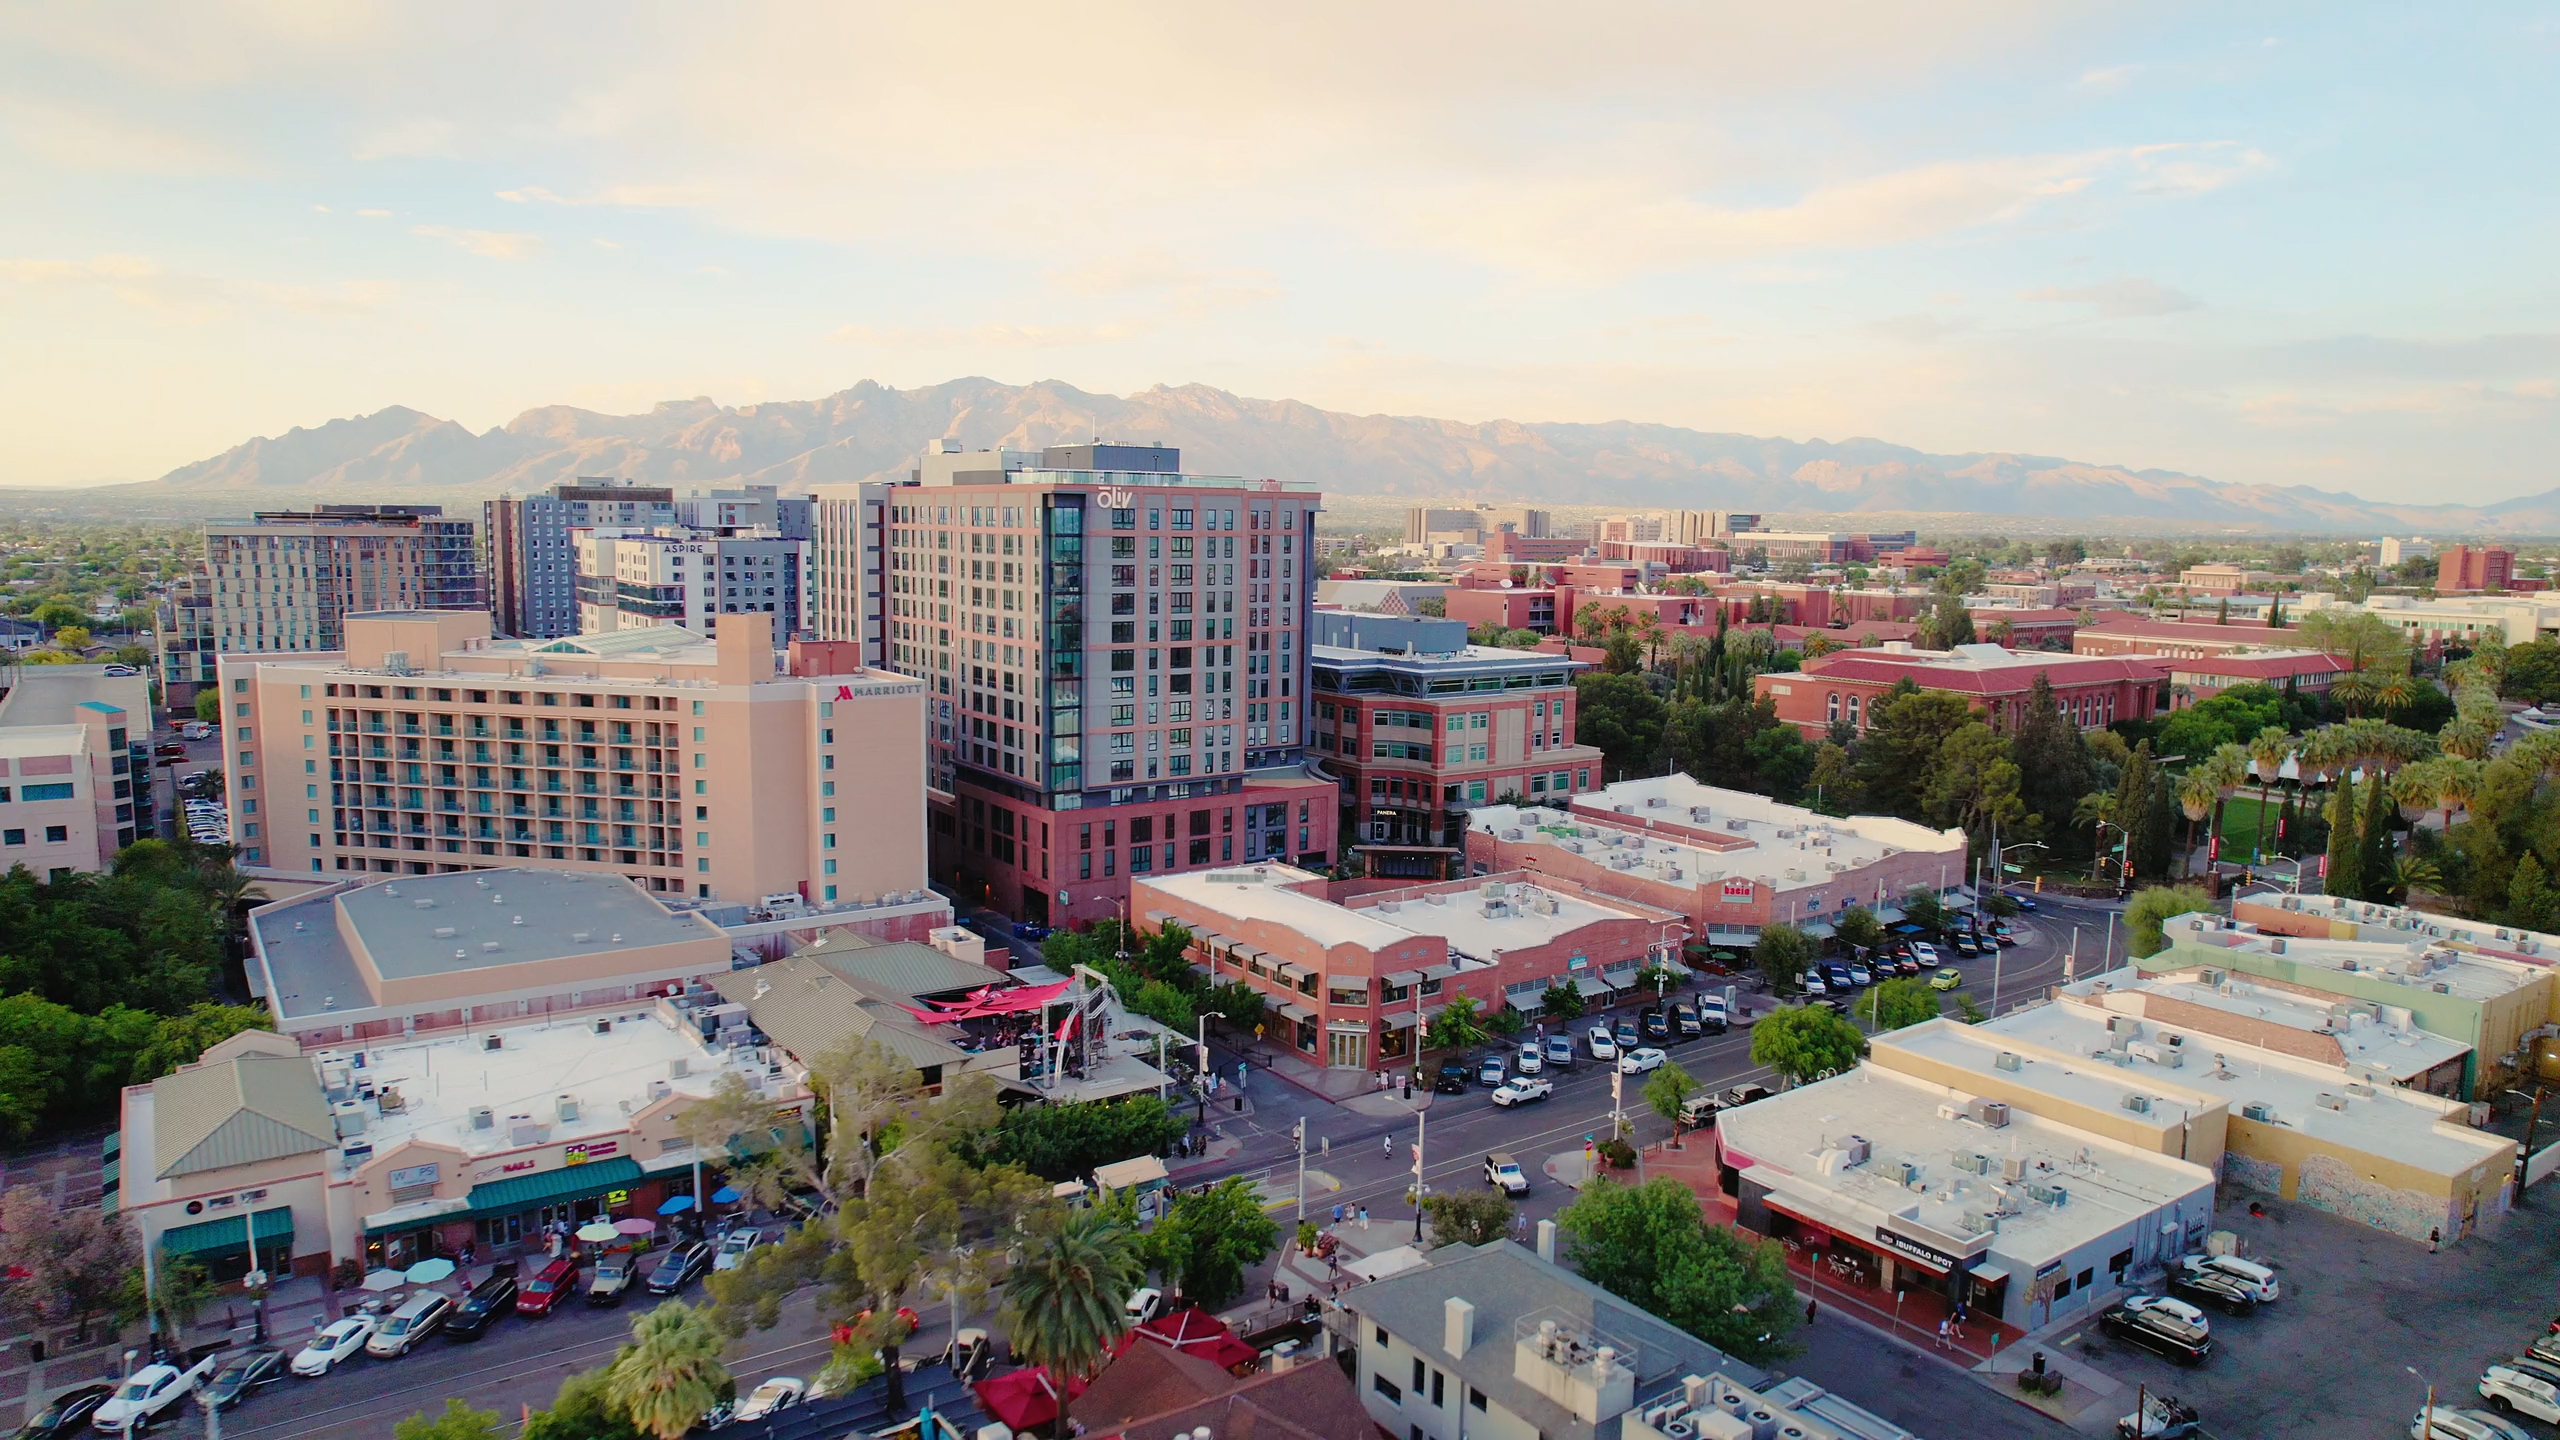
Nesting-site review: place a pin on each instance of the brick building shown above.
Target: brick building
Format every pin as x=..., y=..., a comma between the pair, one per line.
x=2306, y=672
x=1845, y=685
x=2462, y=568
x=2117, y=633
x=1351, y=976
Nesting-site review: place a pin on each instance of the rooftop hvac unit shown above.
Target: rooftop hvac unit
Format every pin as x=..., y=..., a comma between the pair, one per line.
x=2012, y=1167
x=1974, y=1161
x=1624, y=809
x=1700, y=815
x=1995, y=1114
x=2441, y=988
x=604, y=1027
x=660, y=1089
x=2275, y=947
x=2138, y=1104
x=2123, y=1025
x=2209, y=977
x=2047, y=1194
x=1513, y=834
x=1856, y=1150
x=2007, y=1060
x=356, y=1152
x=2259, y=1111
x=2327, y=1101
x=567, y=1106
x=1575, y=846
x=522, y=1131
x=445, y=932
x=483, y=1118
x=1980, y=1222
x=1654, y=802
x=2361, y=1091
x=1492, y=890
x=677, y=1069
x=493, y=1042
x=349, y=1115
x=1903, y=1172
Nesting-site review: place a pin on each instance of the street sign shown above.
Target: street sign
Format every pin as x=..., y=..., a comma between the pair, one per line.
x=2015, y=869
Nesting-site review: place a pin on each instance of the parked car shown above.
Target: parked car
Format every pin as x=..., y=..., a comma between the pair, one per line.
x=2164, y=1335
x=548, y=1284
x=2257, y=1279
x=2005, y=940
x=1143, y=1305
x=735, y=1247
x=1452, y=1079
x=2447, y=1423
x=1636, y=1062
x=679, y=1266
x=1603, y=1046
x=1560, y=1051
x=1963, y=946
x=417, y=1318
x=1837, y=976
x=2214, y=1291
x=1492, y=1070
x=2165, y=1305
x=1924, y=953
x=2024, y=902
x=168, y=750
x=67, y=1413
x=1711, y=1014
x=611, y=1280
x=1521, y=1090
x=1814, y=984
x=1504, y=1174
x=1655, y=1023
x=1859, y=974
x=1029, y=930
x=1624, y=1032
x=1684, y=1021
x=777, y=1394
x=340, y=1340
x=1531, y=1060
x=148, y=1395
x=2162, y=1417
x=2546, y=1346
x=1698, y=1112
x=2512, y=1388
x=1946, y=979
x=481, y=1308
x=1741, y=1095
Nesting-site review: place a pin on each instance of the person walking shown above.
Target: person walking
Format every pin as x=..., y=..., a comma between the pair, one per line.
x=2435, y=1237
x=1808, y=1310
x=1387, y=1147
x=1364, y=1217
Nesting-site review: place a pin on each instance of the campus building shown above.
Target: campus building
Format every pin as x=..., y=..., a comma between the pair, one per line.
x=2463, y=568
x=1845, y=685
x=694, y=767
x=532, y=554
x=75, y=767
x=1728, y=860
x=2115, y=632
x=286, y=580
x=2297, y=672
x=1111, y=647
x=1352, y=972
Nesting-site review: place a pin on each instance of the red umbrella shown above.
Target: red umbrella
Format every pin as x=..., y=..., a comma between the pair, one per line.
x=1195, y=1331
x=1024, y=1399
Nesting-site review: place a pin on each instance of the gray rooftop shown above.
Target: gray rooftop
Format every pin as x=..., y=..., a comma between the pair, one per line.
x=901, y=969
x=53, y=695
x=1507, y=1283
x=810, y=1010
x=527, y=914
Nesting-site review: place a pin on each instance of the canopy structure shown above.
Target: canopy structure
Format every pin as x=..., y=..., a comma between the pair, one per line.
x=980, y=1004
x=1195, y=1331
x=1024, y=1399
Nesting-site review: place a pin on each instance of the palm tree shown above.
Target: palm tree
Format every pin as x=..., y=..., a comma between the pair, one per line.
x=2268, y=750
x=2228, y=766
x=1064, y=1299
x=2197, y=794
x=227, y=889
x=670, y=1375
x=2355, y=690
x=2466, y=738
x=2097, y=809
x=2411, y=873
x=2394, y=692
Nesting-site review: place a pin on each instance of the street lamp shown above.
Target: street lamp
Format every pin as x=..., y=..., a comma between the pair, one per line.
x=2295, y=885
x=2524, y=1152
x=2428, y=1415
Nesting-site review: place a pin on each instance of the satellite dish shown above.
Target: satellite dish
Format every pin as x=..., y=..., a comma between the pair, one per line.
x=1506, y=582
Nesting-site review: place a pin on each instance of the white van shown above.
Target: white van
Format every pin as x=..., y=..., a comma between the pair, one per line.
x=2512, y=1389
x=2251, y=1276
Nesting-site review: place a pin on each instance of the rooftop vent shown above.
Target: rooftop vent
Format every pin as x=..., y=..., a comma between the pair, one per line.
x=483, y=1118
x=493, y=1042
x=2259, y=1111
x=445, y=932
x=2007, y=1060
x=2138, y=1104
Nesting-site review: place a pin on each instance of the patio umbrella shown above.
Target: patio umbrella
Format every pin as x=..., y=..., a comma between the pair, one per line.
x=633, y=1226
x=675, y=1205
x=724, y=1196
x=383, y=1281
x=598, y=1232
x=427, y=1272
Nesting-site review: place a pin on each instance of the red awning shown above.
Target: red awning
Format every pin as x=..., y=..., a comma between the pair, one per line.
x=1195, y=1331
x=1024, y=1399
x=983, y=1003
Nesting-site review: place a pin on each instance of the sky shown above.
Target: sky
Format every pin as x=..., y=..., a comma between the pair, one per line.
x=2279, y=243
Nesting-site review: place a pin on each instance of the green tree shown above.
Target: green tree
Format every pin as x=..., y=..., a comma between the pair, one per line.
x=1803, y=1042
x=1455, y=1027
x=581, y=1411
x=1972, y=782
x=2055, y=767
x=1650, y=1246
x=1238, y=1004
x=1894, y=757
x=1467, y=1217
x=2376, y=860
x=1669, y=1088
x=1622, y=716
x=1859, y=926
x=209, y=706
x=670, y=1375
x=1064, y=1298
x=2532, y=902
x=2131, y=812
x=179, y=1039
x=1782, y=953
x=1507, y=1021
x=1901, y=1001
x=458, y=1422
x=1562, y=1003
x=1165, y=1005
x=1205, y=1243
x=1922, y=907
x=1070, y=1140
x=2151, y=910
x=2346, y=842
x=53, y=615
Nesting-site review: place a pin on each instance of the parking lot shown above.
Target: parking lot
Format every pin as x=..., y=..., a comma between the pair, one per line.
x=2366, y=1320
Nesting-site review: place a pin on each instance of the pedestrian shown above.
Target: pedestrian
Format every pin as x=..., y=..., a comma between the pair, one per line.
x=2435, y=1237
x=1942, y=1334
x=1364, y=1217
x=1387, y=1147
x=1337, y=1214
x=1808, y=1311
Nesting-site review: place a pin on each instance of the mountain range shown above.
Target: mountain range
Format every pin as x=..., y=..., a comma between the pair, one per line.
x=872, y=431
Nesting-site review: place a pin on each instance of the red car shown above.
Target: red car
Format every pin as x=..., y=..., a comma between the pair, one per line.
x=547, y=1286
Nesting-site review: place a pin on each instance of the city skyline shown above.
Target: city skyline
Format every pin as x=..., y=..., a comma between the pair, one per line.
x=2290, y=247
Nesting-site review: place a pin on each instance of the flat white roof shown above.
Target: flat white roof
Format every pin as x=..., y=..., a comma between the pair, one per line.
x=2409, y=1126
x=1769, y=839
x=2107, y=1185
x=1471, y=920
x=2421, y=962
x=2402, y=1052
x=1264, y=892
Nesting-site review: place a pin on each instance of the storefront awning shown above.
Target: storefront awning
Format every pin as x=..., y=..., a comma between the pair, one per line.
x=1123, y=1174
x=415, y=1213
x=1403, y=1020
x=1590, y=985
x=1404, y=977
x=1155, y=917
x=1989, y=1274
x=221, y=1239
x=551, y=1187
x=1296, y=1012
x=1621, y=979
x=1817, y=929
x=1438, y=972
x=1294, y=970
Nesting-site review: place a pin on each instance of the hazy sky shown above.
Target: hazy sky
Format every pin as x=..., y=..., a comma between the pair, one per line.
x=2288, y=243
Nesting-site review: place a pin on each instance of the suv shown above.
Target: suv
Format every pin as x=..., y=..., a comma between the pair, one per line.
x=735, y=1247
x=547, y=1286
x=2162, y=1334
x=680, y=1265
x=1602, y=1046
x=1453, y=1078
x=1504, y=1173
x=2443, y=1422
x=415, y=1320
x=1684, y=1019
x=1560, y=1052
x=2515, y=1387
x=1698, y=1112
x=480, y=1309
x=1655, y=1024
x=2251, y=1276
x=612, y=1279
x=1492, y=1070
x=1711, y=1013
x=1741, y=1095
x=2213, y=1289
x=1624, y=1032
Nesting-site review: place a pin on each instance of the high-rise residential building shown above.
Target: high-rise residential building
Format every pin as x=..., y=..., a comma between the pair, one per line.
x=848, y=599
x=532, y=555
x=691, y=766
x=2394, y=549
x=1691, y=527
x=682, y=576
x=284, y=579
x=1117, y=653
x=183, y=641
x=75, y=767
x=1421, y=522
x=2465, y=568
x=753, y=507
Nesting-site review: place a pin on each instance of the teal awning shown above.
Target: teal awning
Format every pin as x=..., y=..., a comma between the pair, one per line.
x=110, y=1175
x=519, y=1193
x=229, y=1236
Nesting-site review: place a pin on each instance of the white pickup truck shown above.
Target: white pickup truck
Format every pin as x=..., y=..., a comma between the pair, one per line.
x=150, y=1394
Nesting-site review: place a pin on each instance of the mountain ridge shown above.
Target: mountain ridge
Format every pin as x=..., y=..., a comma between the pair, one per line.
x=872, y=431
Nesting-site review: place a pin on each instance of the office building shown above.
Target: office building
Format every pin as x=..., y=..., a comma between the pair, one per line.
x=1846, y=685
x=750, y=507
x=1423, y=522
x=532, y=558
x=75, y=767
x=676, y=576
x=286, y=580
x=183, y=641
x=1498, y=1340
x=1697, y=527
x=848, y=598
x=1423, y=732
x=1729, y=860
x=1628, y=528
x=1352, y=977
x=692, y=766
x=2298, y=672
x=1111, y=647
x=2464, y=569
x=1427, y=524
x=2117, y=632
x=2392, y=550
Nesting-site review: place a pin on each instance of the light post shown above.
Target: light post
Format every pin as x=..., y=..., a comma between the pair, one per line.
x=2428, y=1415
x=1298, y=1135
x=1418, y=1118
x=2524, y=1152
x=2294, y=886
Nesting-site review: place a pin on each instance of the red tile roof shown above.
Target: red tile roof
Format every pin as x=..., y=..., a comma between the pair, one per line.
x=1929, y=673
x=2267, y=667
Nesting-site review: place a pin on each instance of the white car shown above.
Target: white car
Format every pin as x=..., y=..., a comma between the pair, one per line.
x=342, y=1339
x=2163, y=1305
x=1144, y=1305
x=1814, y=983
x=1530, y=1061
x=1636, y=1062
x=1602, y=1047
x=2251, y=1276
x=779, y=1393
x=1520, y=1089
x=1925, y=953
x=735, y=1248
x=2447, y=1423
x=148, y=1394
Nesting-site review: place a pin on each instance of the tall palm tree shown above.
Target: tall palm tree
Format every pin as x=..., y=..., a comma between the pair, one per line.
x=2197, y=795
x=2394, y=692
x=2354, y=690
x=670, y=1375
x=2228, y=766
x=1064, y=1299
x=2268, y=750
x=2096, y=810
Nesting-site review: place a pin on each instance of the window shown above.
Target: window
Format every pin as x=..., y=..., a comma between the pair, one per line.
x=56, y=834
x=1379, y=1332
x=1419, y=1370
x=1475, y=1398
x=1388, y=1388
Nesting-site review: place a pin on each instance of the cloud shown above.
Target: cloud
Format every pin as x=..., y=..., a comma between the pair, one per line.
x=602, y=243
x=141, y=282
x=80, y=139
x=1920, y=329
x=495, y=244
x=2129, y=298
x=419, y=139
x=2114, y=77
x=989, y=336
x=634, y=197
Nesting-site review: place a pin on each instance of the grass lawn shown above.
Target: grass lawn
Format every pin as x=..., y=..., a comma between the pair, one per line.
x=2240, y=823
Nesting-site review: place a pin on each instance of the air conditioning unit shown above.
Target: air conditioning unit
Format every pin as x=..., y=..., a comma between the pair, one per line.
x=1974, y=1161
x=483, y=1118
x=2007, y=1060
x=2138, y=1104
x=2209, y=978
x=2259, y=1111
x=1995, y=1114
x=2047, y=1194
x=604, y=1027
x=2275, y=947
x=1857, y=1150
x=2327, y=1101
x=493, y=1042
x=2012, y=1167
x=679, y=1068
